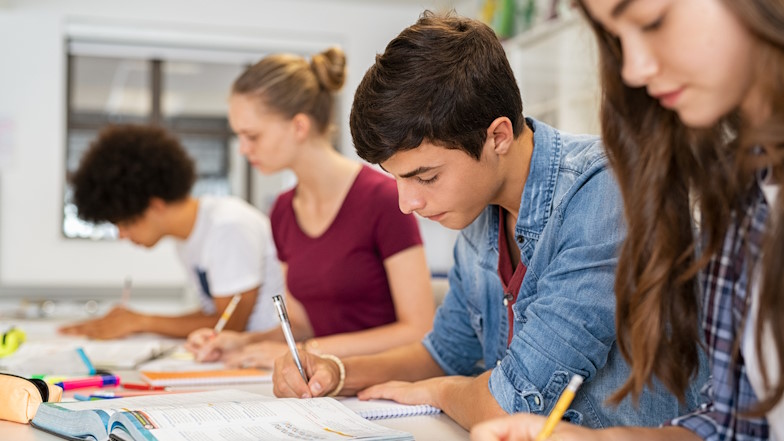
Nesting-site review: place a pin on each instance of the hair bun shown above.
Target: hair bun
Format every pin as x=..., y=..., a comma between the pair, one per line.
x=330, y=68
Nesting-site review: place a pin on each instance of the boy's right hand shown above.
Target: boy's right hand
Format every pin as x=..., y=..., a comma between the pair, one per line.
x=206, y=346
x=324, y=376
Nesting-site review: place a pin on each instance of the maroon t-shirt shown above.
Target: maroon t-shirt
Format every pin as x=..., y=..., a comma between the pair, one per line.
x=339, y=277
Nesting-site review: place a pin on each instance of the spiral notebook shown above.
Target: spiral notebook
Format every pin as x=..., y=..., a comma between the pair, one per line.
x=381, y=409
x=206, y=378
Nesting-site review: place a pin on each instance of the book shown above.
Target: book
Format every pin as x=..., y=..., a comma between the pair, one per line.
x=213, y=415
x=206, y=377
x=56, y=357
x=380, y=409
x=125, y=353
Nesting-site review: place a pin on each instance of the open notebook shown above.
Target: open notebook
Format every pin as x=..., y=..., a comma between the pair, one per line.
x=380, y=409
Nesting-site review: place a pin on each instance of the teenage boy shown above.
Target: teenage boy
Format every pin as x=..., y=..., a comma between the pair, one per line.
x=530, y=301
x=139, y=178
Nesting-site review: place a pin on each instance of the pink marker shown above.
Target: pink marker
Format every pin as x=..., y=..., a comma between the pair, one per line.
x=94, y=381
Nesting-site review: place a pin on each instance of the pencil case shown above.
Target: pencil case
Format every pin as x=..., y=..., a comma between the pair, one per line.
x=20, y=397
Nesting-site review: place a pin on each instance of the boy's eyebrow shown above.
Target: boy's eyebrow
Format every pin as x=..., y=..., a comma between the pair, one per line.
x=416, y=171
x=620, y=7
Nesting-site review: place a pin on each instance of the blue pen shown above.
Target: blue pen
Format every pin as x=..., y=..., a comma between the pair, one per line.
x=86, y=360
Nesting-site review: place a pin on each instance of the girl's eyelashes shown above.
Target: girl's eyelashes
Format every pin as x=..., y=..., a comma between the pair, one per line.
x=654, y=25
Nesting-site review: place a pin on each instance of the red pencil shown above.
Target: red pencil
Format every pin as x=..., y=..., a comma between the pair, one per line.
x=142, y=386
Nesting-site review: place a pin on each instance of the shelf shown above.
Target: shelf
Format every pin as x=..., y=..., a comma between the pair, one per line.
x=541, y=31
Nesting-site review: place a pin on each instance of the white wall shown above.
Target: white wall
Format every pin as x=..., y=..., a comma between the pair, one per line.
x=33, y=253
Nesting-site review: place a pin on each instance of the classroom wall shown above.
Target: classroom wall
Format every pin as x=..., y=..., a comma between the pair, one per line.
x=34, y=256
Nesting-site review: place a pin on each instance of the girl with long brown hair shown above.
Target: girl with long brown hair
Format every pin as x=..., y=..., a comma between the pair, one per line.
x=693, y=122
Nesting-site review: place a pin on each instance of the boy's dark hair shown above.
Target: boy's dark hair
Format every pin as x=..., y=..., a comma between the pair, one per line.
x=442, y=80
x=125, y=167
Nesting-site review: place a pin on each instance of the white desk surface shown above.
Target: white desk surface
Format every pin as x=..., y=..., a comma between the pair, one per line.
x=423, y=428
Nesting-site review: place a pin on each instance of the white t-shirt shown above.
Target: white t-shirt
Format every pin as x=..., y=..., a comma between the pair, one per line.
x=774, y=416
x=230, y=251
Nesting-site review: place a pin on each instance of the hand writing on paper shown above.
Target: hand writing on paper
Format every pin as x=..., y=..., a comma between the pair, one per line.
x=262, y=355
x=119, y=322
x=420, y=392
x=324, y=376
x=206, y=346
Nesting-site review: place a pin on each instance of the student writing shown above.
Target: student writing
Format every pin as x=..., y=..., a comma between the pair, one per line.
x=440, y=111
x=356, y=277
x=692, y=113
x=139, y=178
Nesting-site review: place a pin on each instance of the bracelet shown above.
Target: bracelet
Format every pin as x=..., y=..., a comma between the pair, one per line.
x=342, y=368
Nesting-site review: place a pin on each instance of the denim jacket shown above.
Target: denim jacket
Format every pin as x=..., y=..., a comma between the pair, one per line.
x=569, y=231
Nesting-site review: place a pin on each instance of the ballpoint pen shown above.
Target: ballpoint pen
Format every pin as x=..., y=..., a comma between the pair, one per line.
x=560, y=407
x=286, y=326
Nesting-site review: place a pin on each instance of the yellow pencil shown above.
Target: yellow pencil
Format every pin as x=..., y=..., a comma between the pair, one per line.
x=560, y=407
x=227, y=313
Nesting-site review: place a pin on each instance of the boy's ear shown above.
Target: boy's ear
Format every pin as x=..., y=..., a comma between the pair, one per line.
x=157, y=204
x=501, y=135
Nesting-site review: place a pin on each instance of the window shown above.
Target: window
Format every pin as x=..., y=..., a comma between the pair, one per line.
x=182, y=90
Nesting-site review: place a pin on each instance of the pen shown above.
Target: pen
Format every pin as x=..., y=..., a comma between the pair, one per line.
x=94, y=381
x=142, y=386
x=93, y=397
x=286, y=326
x=560, y=407
x=227, y=313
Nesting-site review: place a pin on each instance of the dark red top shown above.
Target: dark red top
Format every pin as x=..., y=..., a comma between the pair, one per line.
x=511, y=278
x=339, y=277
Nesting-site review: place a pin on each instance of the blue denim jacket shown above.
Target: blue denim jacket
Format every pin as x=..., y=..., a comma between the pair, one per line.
x=569, y=230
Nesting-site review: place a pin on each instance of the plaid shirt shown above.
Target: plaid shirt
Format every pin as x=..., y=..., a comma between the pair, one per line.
x=726, y=293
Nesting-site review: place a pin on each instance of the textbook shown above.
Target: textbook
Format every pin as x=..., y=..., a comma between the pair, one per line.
x=214, y=415
x=206, y=377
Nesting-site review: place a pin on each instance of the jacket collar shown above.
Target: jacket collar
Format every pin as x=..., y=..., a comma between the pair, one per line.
x=537, y=199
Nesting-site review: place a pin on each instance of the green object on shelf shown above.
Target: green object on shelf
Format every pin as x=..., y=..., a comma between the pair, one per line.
x=504, y=19
x=529, y=13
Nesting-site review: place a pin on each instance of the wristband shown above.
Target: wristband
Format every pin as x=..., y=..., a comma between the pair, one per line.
x=342, y=368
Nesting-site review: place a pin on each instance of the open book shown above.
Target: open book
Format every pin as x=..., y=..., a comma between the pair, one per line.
x=213, y=415
x=57, y=356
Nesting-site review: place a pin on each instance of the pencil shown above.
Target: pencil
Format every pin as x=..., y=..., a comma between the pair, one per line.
x=227, y=313
x=560, y=407
x=126, y=292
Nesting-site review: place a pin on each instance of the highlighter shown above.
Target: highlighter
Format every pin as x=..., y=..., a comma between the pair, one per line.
x=94, y=381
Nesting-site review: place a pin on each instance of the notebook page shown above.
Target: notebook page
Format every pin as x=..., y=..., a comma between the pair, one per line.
x=379, y=409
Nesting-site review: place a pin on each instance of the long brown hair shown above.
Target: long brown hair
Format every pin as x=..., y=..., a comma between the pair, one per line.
x=667, y=171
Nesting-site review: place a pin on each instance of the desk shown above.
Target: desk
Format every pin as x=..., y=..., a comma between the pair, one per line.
x=424, y=428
